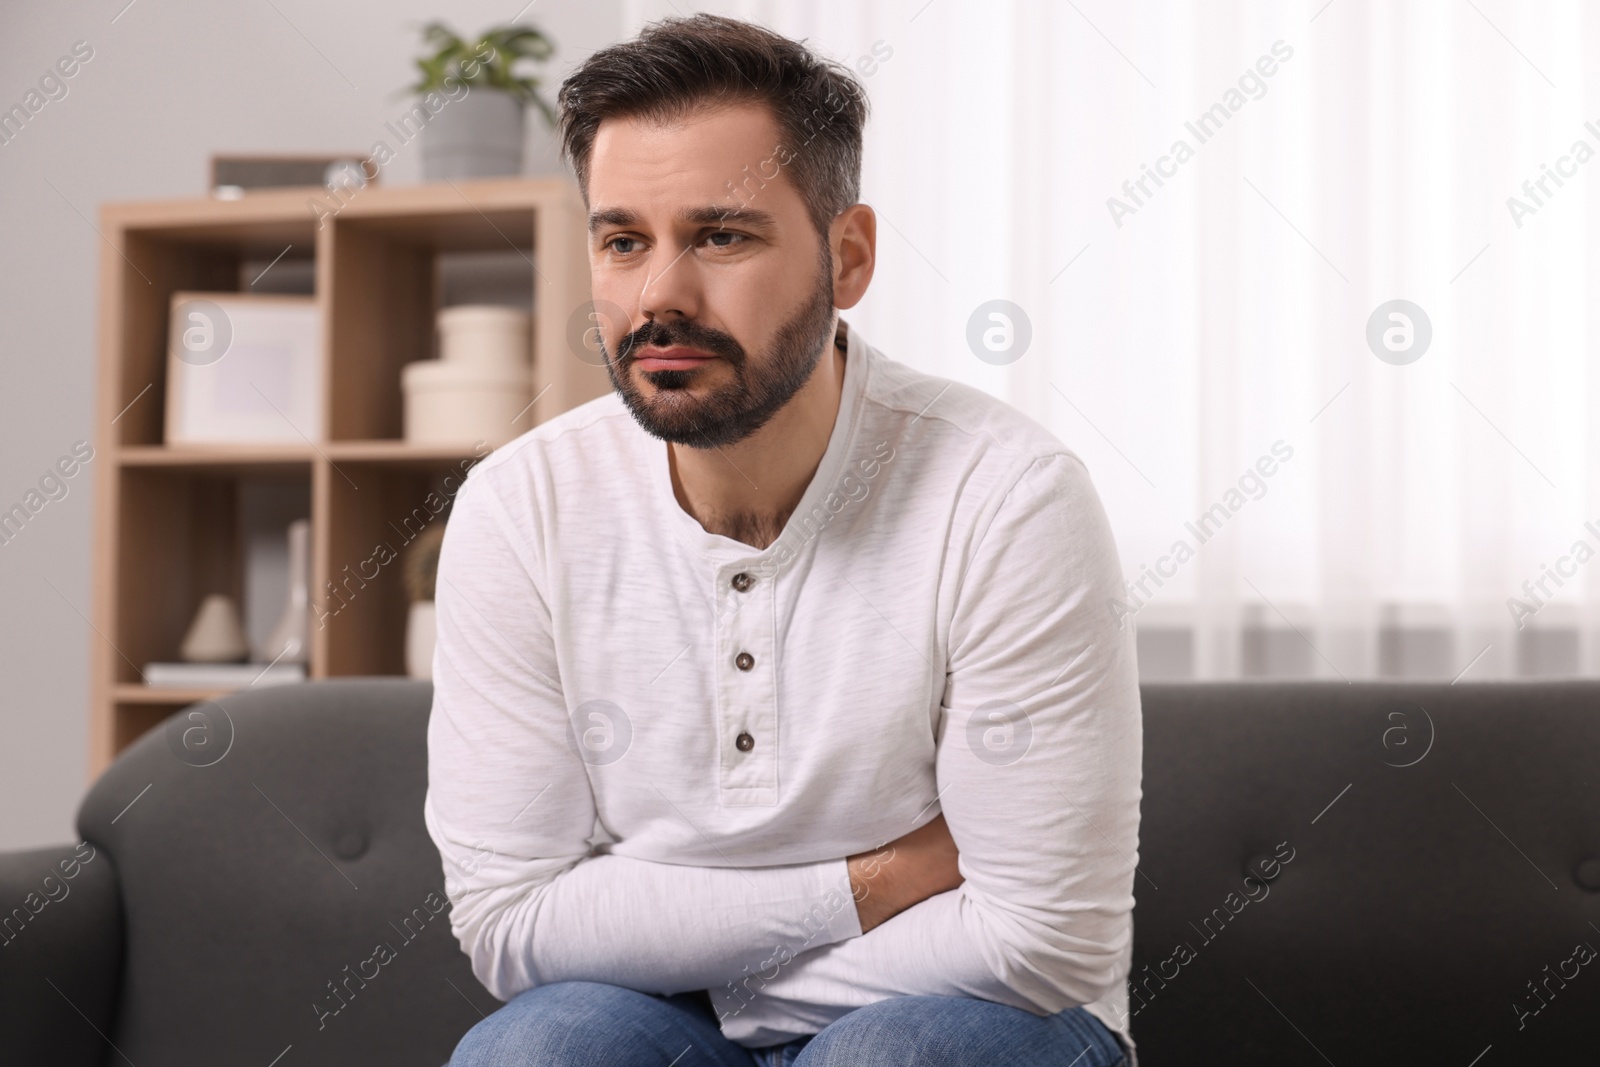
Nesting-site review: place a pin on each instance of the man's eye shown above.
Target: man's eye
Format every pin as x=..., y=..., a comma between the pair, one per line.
x=732, y=238
x=615, y=244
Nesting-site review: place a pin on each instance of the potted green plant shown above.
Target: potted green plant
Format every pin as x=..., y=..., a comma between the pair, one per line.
x=475, y=93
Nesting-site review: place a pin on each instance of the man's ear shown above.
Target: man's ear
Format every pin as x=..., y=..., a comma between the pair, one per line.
x=853, y=240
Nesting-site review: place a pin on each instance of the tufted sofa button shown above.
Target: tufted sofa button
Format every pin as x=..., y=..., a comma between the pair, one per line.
x=351, y=844
x=1263, y=866
x=1587, y=875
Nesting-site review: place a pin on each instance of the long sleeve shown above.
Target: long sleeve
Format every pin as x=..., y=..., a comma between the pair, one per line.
x=1038, y=768
x=511, y=807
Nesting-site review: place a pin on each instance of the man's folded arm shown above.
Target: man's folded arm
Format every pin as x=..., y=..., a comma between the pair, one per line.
x=1038, y=767
x=511, y=809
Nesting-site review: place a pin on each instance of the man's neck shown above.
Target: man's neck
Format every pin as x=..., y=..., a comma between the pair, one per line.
x=748, y=490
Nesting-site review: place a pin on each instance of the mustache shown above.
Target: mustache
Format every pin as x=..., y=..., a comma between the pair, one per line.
x=681, y=332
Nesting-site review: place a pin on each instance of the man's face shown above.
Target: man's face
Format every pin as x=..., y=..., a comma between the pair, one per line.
x=699, y=236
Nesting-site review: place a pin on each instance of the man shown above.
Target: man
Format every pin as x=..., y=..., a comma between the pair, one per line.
x=778, y=716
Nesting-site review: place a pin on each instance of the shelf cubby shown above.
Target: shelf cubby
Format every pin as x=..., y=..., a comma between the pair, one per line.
x=374, y=510
x=168, y=529
x=165, y=255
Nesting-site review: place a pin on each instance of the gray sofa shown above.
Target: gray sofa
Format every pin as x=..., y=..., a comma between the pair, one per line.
x=1345, y=874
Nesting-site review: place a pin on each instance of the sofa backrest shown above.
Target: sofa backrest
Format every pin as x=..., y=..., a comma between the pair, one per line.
x=1427, y=847
x=268, y=844
x=1437, y=869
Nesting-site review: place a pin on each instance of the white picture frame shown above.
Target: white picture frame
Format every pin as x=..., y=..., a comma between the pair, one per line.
x=244, y=368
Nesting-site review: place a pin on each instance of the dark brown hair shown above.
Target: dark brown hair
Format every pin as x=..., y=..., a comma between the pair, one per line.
x=678, y=64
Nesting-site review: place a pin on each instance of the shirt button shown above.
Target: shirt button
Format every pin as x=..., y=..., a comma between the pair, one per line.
x=742, y=581
x=745, y=742
x=744, y=661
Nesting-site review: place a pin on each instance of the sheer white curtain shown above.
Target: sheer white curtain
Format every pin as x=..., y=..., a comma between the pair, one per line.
x=1204, y=345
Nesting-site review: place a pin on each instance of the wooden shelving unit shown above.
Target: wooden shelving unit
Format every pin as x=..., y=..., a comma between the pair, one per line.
x=167, y=522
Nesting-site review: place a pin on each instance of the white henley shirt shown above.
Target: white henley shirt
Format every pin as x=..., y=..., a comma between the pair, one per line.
x=652, y=746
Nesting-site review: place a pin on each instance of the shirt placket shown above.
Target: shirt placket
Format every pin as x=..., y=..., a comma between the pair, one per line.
x=746, y=675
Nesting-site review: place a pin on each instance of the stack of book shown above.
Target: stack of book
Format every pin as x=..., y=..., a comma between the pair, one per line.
x=222, y=675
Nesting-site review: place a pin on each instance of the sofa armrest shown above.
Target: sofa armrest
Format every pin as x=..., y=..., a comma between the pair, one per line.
x=60, y=955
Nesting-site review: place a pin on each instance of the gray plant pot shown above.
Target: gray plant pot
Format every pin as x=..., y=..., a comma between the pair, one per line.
x=477, y=136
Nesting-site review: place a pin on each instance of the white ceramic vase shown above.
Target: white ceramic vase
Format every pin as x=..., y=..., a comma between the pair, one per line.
x=216, y=634
x=289, y=640
x=420, y=634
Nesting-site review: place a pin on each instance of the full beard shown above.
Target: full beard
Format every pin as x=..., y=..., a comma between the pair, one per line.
x=760, y=388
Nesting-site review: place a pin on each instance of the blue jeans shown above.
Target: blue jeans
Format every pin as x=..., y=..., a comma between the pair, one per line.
x=591, y=1024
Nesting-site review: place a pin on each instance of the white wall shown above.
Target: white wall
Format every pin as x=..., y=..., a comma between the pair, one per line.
x=170, y=82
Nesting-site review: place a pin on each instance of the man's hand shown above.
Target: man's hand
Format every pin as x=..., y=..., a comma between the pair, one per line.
x=906, y=871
